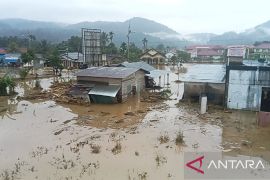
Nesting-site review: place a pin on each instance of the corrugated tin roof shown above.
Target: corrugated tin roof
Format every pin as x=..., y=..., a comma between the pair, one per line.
x=205, y=73
x=110, y=90
x=139, y=65
x=107, y=72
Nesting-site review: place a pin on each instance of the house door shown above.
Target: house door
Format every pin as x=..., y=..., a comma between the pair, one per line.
x=265, y=99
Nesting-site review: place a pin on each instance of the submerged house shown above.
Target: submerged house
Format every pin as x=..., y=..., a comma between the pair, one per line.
x=205, y=80
x=111, y=84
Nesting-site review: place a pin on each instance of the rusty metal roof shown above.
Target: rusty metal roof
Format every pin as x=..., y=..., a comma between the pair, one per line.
x=107, y=72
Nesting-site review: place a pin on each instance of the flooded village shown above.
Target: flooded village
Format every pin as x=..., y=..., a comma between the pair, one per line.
x=105, y=116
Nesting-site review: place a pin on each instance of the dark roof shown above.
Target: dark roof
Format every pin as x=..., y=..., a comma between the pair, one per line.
x=107, y=72
x=139, y=65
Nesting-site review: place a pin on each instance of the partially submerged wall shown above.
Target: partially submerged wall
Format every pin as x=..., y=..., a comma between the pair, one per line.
x=214, y=91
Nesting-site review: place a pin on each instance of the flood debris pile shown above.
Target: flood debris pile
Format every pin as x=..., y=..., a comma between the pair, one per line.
x=59, y=92
x=153, y=97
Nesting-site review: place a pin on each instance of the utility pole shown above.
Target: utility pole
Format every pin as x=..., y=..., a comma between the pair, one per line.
x=128, y=36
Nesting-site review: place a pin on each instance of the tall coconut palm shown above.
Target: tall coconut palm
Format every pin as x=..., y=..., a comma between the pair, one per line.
x=145, y=41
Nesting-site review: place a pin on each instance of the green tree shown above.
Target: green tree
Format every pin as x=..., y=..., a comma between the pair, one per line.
x=28, y=57
x=111, y=49
x=7, y=83
x=53, y=60
x=123, y=49
x=161, y=48
x=74, y=44
x=104, y=39
x=183, y=56
x=134, y=52
x=13, y=47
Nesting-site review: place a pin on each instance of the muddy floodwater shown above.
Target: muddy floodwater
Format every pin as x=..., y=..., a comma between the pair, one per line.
x=41, y=139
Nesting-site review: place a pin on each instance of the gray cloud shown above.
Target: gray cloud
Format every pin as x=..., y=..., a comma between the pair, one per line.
x=185, y=16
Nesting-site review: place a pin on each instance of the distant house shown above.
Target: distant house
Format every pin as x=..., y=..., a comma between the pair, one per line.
x=262, y=50
x=236, y=54
x=206, y=52
x=72, y=60
x=152, y=56
x=111, y=84
x=109, y=59
x=12, y=59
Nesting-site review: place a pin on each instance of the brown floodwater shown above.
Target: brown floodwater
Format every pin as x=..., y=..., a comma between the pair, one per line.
x=45, y=140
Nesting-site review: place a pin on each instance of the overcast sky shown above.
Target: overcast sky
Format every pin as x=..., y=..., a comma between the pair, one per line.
x=184, y=16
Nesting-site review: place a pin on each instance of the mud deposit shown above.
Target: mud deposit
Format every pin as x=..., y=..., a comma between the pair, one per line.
x=42, y=139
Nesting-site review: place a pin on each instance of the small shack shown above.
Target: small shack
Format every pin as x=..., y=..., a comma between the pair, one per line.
x=111, y=84
x=205, y=80
x=248, y=88
x=247, y=85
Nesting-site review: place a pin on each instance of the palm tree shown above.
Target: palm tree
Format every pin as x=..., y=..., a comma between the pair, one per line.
x=103, y=40
x=145, y=41
x=111, y=36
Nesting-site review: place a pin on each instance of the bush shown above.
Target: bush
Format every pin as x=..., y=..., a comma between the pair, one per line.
x=23, y=73
x=7, y=83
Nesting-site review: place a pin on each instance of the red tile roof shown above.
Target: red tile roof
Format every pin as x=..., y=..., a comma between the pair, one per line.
x=208, y=52
x=3, y=51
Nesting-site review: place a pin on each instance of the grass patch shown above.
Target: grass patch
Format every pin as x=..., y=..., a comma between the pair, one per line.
x=117, y=148
x=179, y=138
x=164, y=139
x=95, y=149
